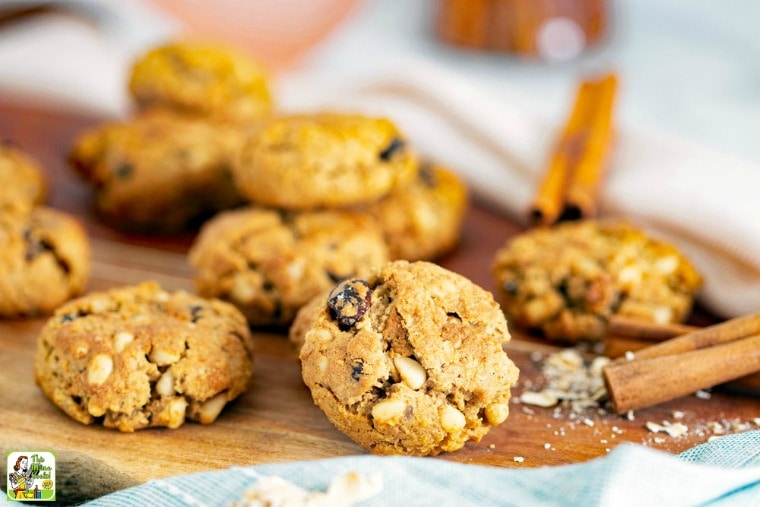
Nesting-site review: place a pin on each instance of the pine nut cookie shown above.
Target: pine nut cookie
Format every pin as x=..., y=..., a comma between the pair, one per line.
x=138, y=356
x=21, y=178
x=269, y=262
x=323, y=160
x=44, y=260
x=423, y=219
x=409, y=360
x=160, y=171
x=567, y=281
x=201, y=78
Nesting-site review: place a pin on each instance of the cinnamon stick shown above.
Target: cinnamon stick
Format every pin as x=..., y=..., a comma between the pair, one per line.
x=569, y=186
x=696, y=360
x=621, y=326
x=581, y=199
x=717, y=334
x=645, y=382
x=549, y=201
x=627, y=335
x=619, y=346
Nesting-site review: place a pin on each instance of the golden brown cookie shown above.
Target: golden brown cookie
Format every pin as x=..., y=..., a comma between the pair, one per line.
x=139, y=356
x=198, y=77
x=305, y=318
x=423, y=219
x=21, y=178
x=160, y=171
x=323, y=160
x=44, y=260
x=409, y=360
x=567, y=281
x=269, y=263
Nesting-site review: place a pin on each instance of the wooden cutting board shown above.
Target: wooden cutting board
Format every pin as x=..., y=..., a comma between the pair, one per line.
x=276, y=421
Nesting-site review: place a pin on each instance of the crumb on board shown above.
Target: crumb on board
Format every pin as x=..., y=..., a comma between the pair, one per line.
x=343, y=491
x=571, y=380
x=573, y=386
x=709, y=430
x=673, y=429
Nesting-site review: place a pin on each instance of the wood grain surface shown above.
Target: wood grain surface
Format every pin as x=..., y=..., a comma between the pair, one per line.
x=276, y=421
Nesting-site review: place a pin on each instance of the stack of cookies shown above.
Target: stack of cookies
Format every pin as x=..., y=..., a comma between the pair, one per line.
x=296, y=213
x=330, y=195
x=45, y=255
x=308, y=199
x=168, y=168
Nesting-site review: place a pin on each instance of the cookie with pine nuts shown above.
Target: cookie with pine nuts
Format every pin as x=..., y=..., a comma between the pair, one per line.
x=159, y=171
x=44, y=260
x=139, y=356
x=323, y=160
x=565, y=282
x=423, y=219
x=22, y=182
x=269, y=263
x=201, y=78
x=409, y=360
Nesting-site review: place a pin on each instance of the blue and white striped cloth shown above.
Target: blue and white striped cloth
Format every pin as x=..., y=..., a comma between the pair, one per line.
x=723, y=472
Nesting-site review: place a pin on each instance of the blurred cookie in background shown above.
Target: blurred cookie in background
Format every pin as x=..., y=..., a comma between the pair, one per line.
x=324, y=160
x=160, y=171
x=44, y=260
x=22, y=180
x=422, y=219
x=568, y=280
x=209, y=79
x=270, y=262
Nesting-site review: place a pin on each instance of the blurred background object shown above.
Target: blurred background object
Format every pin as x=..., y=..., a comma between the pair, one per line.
x=278, y=32
x=553, y=30
x=687, y=68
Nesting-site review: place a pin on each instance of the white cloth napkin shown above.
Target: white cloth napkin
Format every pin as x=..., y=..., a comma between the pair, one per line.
x=698, y=199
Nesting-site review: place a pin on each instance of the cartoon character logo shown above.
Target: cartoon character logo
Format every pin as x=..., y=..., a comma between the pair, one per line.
x=21, y=479
x=31, y=476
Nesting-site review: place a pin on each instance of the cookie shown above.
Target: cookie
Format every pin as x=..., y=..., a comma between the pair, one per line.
x=323, y=160
x=567, y=281
x=269, y=263
x=44, y=260
x=138, y=356
x=409, y=360
x=21, y=178
x=160, y=171
x=305, y=319
x=202, y=78
x=423, y=219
